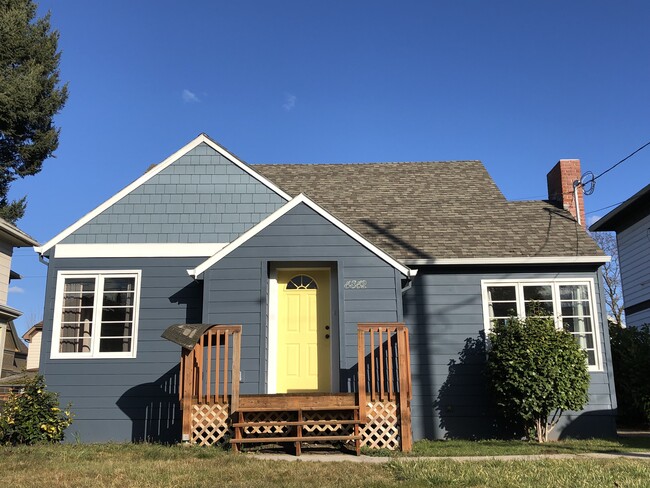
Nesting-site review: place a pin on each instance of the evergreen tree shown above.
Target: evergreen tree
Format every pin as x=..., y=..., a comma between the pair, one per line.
x=30, y=96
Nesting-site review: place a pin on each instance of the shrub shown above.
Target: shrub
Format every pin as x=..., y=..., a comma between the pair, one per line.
x=536, y=372
x=33, y=415
x=631, y=362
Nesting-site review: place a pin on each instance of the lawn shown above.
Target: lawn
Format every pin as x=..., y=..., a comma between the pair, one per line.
x=147, y=465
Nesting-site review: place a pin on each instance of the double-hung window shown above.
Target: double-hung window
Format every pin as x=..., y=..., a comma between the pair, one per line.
x=96, y=314
x=569, y=303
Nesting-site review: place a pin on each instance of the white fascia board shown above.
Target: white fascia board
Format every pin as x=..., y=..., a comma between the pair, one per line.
x=201, y=139
x=196, y=272
x=512, y=260
x=137, y=250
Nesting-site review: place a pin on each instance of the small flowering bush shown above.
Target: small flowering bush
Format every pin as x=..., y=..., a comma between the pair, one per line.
x=33, y=415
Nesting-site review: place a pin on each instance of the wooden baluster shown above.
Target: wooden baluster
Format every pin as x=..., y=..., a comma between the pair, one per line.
x=372, y=364
x=389, y=353
x=236, y=360
x=361, y=372
x=381, y=364
x=199, y=359
x=225, y=367
x=208, y=367
x=217, y=366
x=181, y=374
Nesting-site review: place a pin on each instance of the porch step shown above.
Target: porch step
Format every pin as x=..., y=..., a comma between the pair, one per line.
x=297, y=429
x=281, y=423
x=308, y=408
x=272, y=440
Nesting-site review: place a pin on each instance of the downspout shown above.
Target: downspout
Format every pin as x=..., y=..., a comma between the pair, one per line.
x=576, y=185
x=409, y=281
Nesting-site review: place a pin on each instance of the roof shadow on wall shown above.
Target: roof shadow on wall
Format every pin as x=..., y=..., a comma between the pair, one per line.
x=396, y=242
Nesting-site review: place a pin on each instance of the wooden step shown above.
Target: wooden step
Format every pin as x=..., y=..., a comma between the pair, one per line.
x=297, y=409
x=272, y=440
x=281, y=423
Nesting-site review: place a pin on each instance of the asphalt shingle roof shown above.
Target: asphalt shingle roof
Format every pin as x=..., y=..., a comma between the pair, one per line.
x=434, y=210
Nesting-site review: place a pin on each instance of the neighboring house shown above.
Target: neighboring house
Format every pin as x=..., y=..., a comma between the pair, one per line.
x=205, y=238
x=631, y=222
x=33, y=338
x=13, y=353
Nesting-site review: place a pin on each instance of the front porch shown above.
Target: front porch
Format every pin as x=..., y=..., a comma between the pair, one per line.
x=376, y=415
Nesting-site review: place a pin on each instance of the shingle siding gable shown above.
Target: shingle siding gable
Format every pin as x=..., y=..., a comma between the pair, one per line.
x=202, y=197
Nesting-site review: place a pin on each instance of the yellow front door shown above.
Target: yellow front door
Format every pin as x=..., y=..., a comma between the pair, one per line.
x=303, y=330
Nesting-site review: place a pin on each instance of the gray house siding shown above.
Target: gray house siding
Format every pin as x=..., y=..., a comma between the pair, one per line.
x=236, y=288
x=444, y=313
x=202, y=197
x=634, y=260
x=127, y=399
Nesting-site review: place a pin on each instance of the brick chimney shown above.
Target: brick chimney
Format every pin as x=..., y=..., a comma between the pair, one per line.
x=560, y=187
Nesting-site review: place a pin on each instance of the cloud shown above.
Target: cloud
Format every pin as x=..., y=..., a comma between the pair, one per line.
x=593, y=219
x=189, y=97
x=289, y=102
x=16, y=289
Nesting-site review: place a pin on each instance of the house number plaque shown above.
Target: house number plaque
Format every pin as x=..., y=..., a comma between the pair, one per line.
x=355, y=284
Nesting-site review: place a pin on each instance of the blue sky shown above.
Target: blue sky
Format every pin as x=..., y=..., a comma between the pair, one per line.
x=515, y=84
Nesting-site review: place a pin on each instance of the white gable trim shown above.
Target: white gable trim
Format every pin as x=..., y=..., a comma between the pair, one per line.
x=138, y=250
x=201, y=139
x=511, y=260
x=201, y=268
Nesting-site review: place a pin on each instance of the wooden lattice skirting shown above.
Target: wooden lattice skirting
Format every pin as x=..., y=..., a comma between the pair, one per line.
x=211, y=425
x=382, y=429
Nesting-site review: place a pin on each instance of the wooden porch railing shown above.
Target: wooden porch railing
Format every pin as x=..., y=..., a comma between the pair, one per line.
x=384, y=375
x=204, y=372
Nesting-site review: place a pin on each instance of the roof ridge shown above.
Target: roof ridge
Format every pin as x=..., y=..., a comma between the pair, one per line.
x=368, y=163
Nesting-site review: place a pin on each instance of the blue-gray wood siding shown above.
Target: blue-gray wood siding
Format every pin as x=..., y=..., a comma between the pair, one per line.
x=127, y=399
x=202, y=197
x=444, y=313
x=634, y=260
x=235, y=288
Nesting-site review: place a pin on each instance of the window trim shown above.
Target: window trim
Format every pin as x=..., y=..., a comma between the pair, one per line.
x=58, y=308
x=555, y=284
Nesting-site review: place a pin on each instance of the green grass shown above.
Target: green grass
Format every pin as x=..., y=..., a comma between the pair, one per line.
x=148, y=465
x=503, y=448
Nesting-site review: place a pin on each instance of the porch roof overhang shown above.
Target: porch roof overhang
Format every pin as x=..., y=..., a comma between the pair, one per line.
x=201, y=268
x=185, y=335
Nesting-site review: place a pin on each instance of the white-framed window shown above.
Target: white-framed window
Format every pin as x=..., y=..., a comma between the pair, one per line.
x=569, y=302
x=96, y=314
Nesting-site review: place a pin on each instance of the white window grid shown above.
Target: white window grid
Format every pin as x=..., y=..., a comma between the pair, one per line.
x=557, y=307
x=98, y=306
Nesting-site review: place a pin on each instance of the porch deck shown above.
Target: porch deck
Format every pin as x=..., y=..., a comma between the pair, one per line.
x=377, y=415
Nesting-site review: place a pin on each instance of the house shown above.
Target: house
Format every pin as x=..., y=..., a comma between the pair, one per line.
x=631, y=222
x=33, y=338
x=13, y=353
x=289, y=259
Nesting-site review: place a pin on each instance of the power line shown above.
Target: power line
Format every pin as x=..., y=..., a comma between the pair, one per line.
x=622, y=160
x=604, y=208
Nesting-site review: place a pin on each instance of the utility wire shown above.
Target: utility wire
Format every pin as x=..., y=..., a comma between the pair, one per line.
x=604, y=208
x=622, y=160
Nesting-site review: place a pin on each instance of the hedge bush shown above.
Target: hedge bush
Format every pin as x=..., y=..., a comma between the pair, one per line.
x=631, y=362
x=536, y=372
x=33, y=415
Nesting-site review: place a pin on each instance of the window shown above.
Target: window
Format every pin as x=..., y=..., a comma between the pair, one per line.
x=569, y=303
x=96, y=314
x=302, y=282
